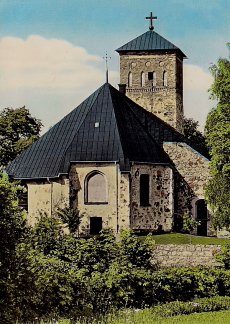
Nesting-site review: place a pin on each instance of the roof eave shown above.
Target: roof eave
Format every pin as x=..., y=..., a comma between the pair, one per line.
x=128, y=51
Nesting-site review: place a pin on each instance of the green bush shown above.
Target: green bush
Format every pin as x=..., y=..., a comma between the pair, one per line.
x=197, y=305
x=224, y=256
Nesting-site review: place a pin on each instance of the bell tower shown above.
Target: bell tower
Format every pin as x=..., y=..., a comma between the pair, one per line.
x=152, y=69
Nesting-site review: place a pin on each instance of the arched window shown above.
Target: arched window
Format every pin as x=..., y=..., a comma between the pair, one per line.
x=142, y=79
x=144, y=190
x=165, y=79
x=130, y=79
x=95, y=188
x=152, y=78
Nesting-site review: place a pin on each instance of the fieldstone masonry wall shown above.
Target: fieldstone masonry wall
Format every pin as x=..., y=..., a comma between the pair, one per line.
x=169, y=255
x=159, y=214
x=164, y=99
x=193, y=171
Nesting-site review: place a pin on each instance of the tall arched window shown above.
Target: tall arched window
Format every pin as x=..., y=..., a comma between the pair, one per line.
x=95, y=188
x=142, y=79
x=130, y=79
x=165, y=79
x=154, y=79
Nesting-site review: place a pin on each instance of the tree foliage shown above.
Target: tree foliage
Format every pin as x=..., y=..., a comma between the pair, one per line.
x=218, y=140
x=18, y=130
x=191, y=132
x=12, y=221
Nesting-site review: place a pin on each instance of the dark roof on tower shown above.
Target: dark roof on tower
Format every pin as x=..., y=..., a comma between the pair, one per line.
x=149, y=41
x=123, y=135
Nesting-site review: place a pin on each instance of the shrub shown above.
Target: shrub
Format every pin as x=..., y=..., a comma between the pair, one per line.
x=224, y=256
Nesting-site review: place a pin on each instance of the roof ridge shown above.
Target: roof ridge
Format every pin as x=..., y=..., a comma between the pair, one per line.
x=149, y=41
x=79, y=126
x=171, y=128
x=119, y=132
x=141, y=125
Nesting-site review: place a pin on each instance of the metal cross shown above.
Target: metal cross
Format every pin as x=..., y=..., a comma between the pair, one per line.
x=106, y=58
x=151, y=21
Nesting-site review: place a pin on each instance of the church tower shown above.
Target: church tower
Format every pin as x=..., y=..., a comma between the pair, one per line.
x=152, y=70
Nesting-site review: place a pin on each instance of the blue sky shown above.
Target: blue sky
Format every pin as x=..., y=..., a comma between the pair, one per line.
x=51, y=52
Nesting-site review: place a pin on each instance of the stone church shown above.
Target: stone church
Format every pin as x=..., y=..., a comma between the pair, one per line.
x=120, y=156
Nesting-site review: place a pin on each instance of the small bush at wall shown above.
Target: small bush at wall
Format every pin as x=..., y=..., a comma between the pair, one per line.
x=224, y=256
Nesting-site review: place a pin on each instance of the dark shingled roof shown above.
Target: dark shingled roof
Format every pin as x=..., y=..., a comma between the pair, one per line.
x=126, y=133
x=149, y=41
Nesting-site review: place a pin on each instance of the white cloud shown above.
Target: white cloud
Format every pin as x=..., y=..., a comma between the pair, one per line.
x=196, y=97
x=52, y=76
x=39, y=62
x=49, y=76
x=196, y=78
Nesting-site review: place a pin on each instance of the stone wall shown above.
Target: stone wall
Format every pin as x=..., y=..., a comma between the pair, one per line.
x=185, y=255
x=45, y=196
x=193, y=167
x=116, y=212
x=158, y=215
x=190, y=178
x=108, y=211
x=163, y=100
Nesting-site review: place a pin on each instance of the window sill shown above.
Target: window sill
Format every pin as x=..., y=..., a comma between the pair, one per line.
x=96, y=203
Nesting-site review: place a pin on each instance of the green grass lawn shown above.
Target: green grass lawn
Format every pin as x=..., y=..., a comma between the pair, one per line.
x=143, y=317
x=178, y=238
x=222, y=317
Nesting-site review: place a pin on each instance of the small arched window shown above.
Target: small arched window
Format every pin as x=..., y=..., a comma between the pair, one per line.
x=152, y=78
x=165, y=79
x=95, y=188
x=130, y=79
x=142, y=79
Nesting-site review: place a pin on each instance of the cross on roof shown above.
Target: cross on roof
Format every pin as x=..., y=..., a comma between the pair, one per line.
x=151, y=21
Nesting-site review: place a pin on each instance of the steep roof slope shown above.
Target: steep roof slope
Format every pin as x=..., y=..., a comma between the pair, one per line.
x=105, y=127
x=149, y=41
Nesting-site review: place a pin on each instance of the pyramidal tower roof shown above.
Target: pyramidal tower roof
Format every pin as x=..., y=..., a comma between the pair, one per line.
x=106, y=127
x=149, y=41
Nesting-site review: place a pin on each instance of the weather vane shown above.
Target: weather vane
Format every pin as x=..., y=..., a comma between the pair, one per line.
x=151, y=20
x=106, y=58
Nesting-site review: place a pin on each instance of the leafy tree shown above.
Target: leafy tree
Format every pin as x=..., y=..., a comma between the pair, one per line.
x=71, y=217
x=45, y=235
x=218, y=139
x=18, y=130
x=189, y=224
x=191, y=132
x=12, y=222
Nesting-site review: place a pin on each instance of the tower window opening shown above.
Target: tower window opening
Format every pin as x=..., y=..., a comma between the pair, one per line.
x=142, y=79
x=130, y=79
x=150, y=76
x=144, y=190
x=165, y=79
